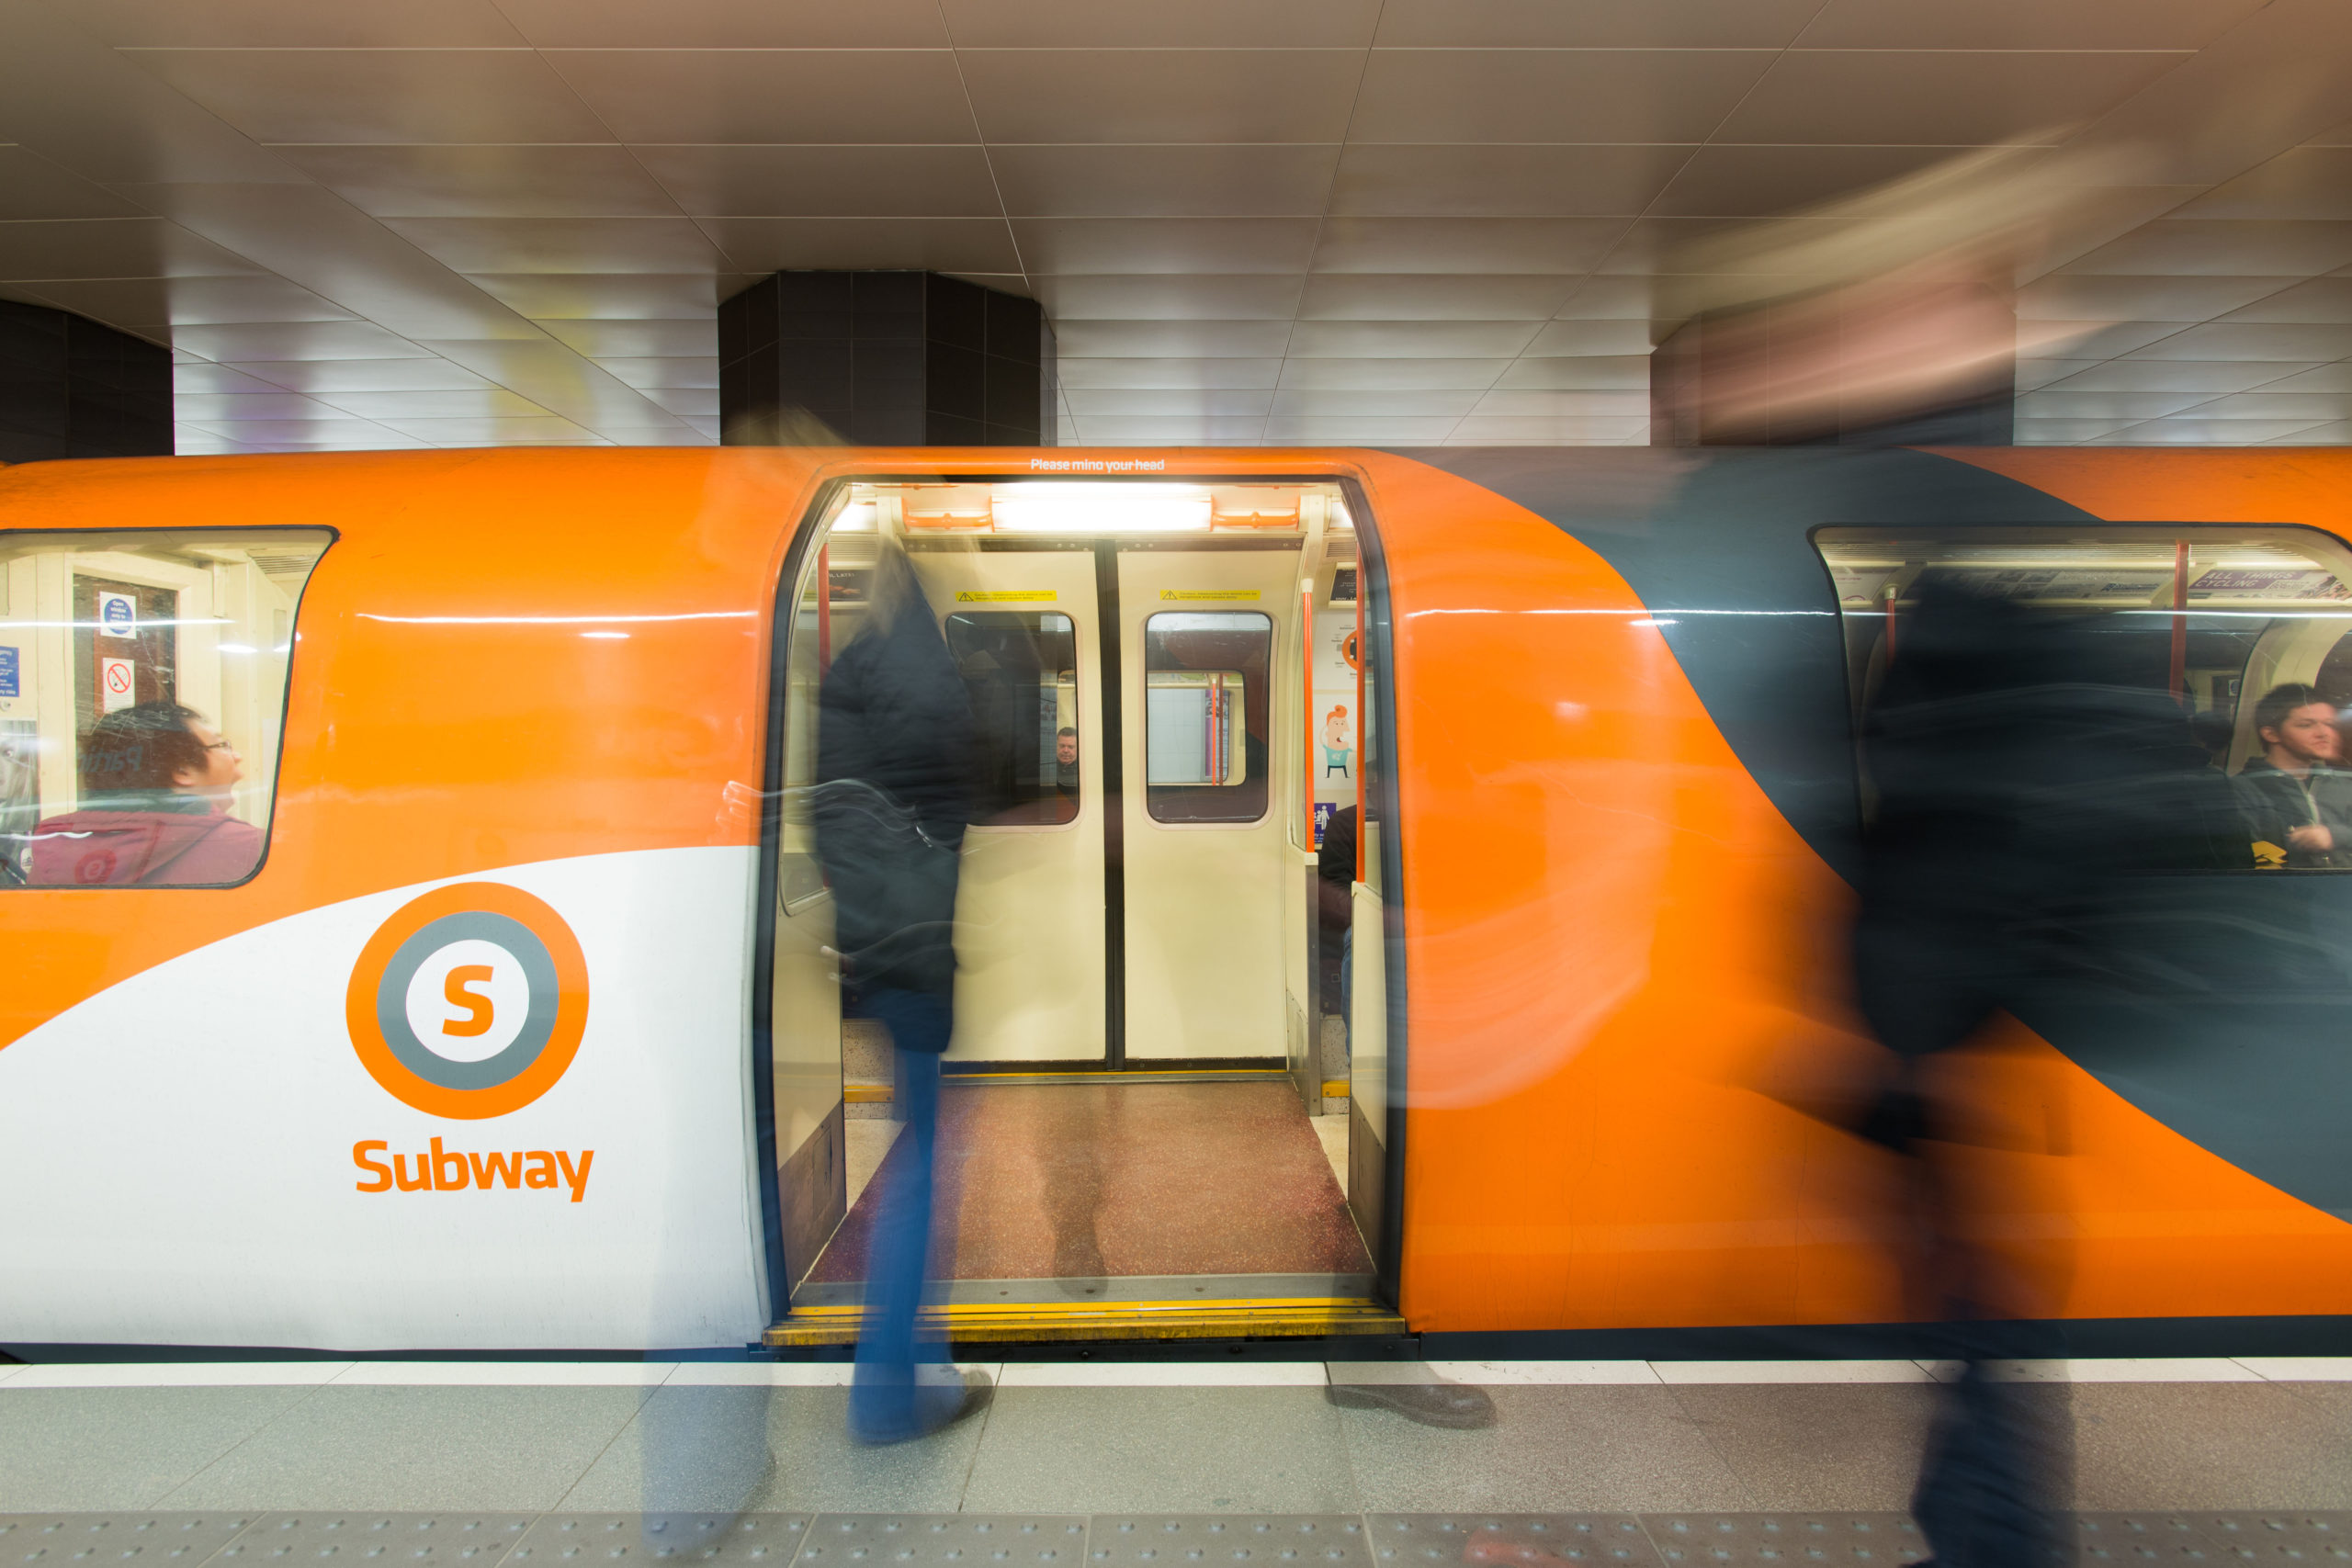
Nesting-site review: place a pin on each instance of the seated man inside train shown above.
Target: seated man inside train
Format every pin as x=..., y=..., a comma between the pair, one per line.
x=2294, y=797
x=156, y=783
x=1066, y=761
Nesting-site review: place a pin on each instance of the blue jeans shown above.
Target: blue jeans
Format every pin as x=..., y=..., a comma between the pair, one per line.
x=887, y=1403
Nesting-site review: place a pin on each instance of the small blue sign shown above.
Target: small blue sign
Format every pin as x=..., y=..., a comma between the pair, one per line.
x=9, y=687
x=118, y=617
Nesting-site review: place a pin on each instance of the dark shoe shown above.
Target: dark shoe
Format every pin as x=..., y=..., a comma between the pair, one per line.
x=1433, y=1405
x=939, y=1406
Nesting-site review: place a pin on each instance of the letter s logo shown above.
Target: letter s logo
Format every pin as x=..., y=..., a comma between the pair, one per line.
x=478, y=1009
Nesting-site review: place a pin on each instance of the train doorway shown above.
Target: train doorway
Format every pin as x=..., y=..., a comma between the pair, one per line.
x=1145, y=1027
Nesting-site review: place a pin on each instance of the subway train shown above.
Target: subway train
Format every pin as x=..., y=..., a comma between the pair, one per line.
x=452, y=969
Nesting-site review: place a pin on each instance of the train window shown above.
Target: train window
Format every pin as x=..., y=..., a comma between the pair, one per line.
x=1206, y=715
x=1020, y=668
x=142, y=691
x=2219, y=616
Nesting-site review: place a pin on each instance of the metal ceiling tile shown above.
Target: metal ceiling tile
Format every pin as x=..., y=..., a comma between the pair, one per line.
x=2313, y=407
x=1164, y=181
x=295, y=340
x=275, y=23
x=110, y=247
x=2319, y=378
x=2302, y=183
x=354, y=375
x=935, y=244
x=2210, y=378
x=1418, y=375
x=1181, y=340
x=192, y=301
x=2251, y=340
x=638, y=340
x=1162, y=94
x=1356, y=430
x=562, y=244
x=684, y=399
x=1154, y=373
x=2084, y=297
x=1619, y=404
x=2204, y=432
x=2096, y=340
x=2321, y=299
x=1754, y=182
x=1451, y=403
x=729, y=24
x=1547, y=246
x=2241, y=248
x=1953, y=97
x=1105, y=430
x=1593, y=24
x=1611, y=299
x=1475, y=94
x=206, y=376
x=2024, y=24
x=1204, y=401
x=378, y=94
x=486, y=181
x=1409, y=340
x=250, y=406
x=1166, y=298
x=190, y=442
x=33, y=186
x=475, y=402
x=2118, y=406
x=1587, y=372
x=1210, y=24
x=1594, y=337
x=1158, y=245
x=530, y=430
x=879, y=97
x=1501, y=181
x=1655, y=245
x=2337, y=434
x=2033, y=373
x=708, y=428
x=2064, y=431
x=556, y=377
x=603, y=296
x=1563, y=428
x=290, y=433
x=665, y=372
x=1434, y=299
x=824, y=181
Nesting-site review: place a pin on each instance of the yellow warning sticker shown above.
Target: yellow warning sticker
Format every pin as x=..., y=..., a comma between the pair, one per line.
x=1228, y=595
x=1005, y=596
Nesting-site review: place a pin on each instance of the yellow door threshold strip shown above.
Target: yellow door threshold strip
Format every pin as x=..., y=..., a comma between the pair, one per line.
x=1300, y=1317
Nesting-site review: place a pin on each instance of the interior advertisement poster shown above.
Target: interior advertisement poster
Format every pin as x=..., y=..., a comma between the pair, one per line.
x=1333, y=759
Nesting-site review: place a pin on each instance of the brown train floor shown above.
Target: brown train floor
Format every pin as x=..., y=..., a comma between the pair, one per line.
x=1091, y=1181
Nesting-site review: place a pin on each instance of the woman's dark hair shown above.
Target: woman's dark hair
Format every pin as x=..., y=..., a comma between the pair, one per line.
x=2280, y=701
x=140, y=749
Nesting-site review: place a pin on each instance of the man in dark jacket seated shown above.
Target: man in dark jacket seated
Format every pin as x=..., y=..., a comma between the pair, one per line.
x=2294, y=799
x=895, y=748
x=156, y=784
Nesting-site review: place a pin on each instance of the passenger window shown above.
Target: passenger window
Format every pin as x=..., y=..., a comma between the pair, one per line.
x=2231, y=622
x=1019, y=670
x=1206, y=716
x=143, y=694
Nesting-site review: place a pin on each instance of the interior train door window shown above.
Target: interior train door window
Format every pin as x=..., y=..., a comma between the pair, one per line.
x=1020, y=668
x=142, y=691
x=1206, y=715
x=2219, y=617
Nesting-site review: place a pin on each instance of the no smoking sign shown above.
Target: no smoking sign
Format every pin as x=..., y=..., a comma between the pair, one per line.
x=117, y=684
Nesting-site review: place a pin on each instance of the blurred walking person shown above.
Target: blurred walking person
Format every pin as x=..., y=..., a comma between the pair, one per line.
x=895, y=743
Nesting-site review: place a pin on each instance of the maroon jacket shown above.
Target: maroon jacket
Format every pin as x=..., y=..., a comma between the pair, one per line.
x=95, y=848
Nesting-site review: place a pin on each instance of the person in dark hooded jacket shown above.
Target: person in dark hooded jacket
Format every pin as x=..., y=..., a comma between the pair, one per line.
x=894, y=746
x=156, y=783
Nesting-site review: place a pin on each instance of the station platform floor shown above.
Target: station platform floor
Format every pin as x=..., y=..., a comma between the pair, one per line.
x=1099, y=1461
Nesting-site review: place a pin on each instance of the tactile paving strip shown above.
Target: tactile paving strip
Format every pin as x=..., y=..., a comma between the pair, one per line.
x=965, y=1540
x=1511, y=1541
x=384, y=1541
x=2287, y=1536
x=1857, y=1540
x=1262, y=1540
x=2142, y=1539
x=183, y=1540
x=580, y=1540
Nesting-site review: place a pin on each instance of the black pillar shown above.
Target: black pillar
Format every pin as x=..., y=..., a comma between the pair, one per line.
x=69, y=387
x=883, y=359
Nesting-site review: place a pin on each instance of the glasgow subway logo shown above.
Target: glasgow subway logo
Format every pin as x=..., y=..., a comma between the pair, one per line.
x=470, y=1001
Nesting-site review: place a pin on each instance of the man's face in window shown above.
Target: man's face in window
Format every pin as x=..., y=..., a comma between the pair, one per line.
x=2308, y=733
x=1066, y=750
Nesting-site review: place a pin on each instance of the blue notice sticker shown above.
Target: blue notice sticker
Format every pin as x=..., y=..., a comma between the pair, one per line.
x=9, y=687
x=118, y=615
